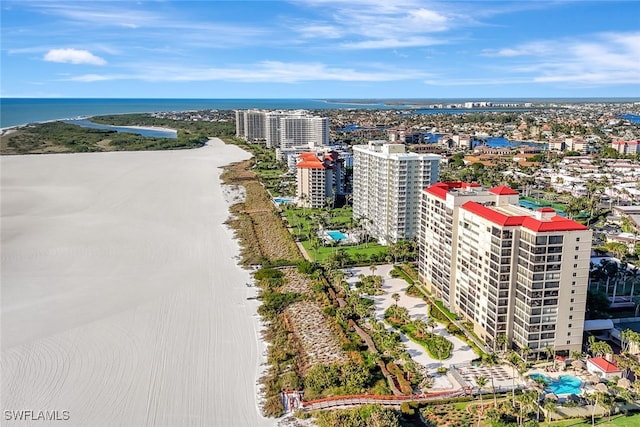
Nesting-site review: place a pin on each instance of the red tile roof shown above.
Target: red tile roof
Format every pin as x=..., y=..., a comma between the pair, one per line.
x=493, y=215
x=441, y=189
x=310, y=164
x=309, y=161
x=556, y=223
x=604, y=365
x=503, y=190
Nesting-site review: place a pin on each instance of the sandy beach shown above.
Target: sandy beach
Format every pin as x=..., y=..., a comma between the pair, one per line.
x=122, y=302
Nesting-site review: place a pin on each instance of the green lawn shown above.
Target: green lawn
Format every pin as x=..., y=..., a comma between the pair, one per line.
x=617, y=421
x=324, y=251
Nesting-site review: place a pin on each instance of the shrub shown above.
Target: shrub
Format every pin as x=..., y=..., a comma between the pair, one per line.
x=273, y=407
x=307, y=267
x=406, y=409
x=404, y=385
x=268, y=273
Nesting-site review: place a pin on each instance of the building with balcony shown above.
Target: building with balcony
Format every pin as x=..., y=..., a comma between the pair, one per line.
x=506, y=269
x=387, y=181
x=319, y=179
x=282, y=129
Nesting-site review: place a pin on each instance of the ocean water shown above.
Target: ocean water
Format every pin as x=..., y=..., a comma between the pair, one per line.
x=20, y=111
x=157, y=133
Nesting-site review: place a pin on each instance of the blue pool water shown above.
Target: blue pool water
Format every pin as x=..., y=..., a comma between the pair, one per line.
x=337, y=235
x=280, y=200
x=564, y=384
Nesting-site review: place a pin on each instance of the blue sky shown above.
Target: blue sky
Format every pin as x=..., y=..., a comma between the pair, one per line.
x=320, y=49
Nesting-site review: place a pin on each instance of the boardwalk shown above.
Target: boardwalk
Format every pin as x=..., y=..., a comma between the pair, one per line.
x=384, y=400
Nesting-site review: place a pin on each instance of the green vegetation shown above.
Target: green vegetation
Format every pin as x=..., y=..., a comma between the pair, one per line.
x=60, y=137
x=437, y=346
x=616, y=421
x=201, y=127
x=362, y=416
x=336, y=380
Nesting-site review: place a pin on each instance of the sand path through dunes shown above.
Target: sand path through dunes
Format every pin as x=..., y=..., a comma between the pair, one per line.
x=121, y=299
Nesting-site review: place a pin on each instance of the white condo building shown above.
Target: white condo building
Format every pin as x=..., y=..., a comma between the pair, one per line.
x=506, y=269
x=283, y=129
x=387, y=182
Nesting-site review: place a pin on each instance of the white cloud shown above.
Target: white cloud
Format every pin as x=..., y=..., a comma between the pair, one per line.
x=594, y=59
x=392, y=43
x=73, y=56
x=94, y=78
x=265, y=71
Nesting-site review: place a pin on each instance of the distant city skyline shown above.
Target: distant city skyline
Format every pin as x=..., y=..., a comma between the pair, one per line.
x=320, y=49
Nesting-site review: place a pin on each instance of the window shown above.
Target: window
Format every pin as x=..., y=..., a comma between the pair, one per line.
x=573, y=291
x=571, y=299
x=573, y=283
x=568, y=341
x=575, y=265
x=574, y=274
x=569, y=324
x=570, y=308
x=568, y=334
x=555, y=240
x=577, y=239
x=575, y=257
x=570, y=317
x=577, y=248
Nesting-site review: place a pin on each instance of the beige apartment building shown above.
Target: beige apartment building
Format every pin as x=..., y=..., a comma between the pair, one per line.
x=318, y=177
x=507, y=269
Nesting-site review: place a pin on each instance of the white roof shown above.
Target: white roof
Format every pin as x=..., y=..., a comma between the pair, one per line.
x=598, y=324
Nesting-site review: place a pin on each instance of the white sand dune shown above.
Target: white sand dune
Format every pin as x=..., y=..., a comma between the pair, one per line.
x=122, y=302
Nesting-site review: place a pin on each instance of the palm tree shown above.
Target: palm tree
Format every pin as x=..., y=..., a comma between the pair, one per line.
x=373, y=269
x=490, y=360
x=501, y=341
x=420, y=327
x=549, y=406
x=524, y=400
x=396, y=297
x=524, y=352
x=540, y=385
x=431, y=324
x=549, y=350
x=480, y=382
x=514, y=361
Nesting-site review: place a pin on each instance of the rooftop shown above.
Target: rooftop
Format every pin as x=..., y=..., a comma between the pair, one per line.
x=604, y=365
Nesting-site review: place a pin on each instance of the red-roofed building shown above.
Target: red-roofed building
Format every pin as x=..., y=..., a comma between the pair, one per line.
x=506, y=269
x=626, y=147
x=603, y=368
x=318, y=178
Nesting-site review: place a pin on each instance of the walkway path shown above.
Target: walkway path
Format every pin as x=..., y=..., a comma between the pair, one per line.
x=384, y=400
x=462, y=353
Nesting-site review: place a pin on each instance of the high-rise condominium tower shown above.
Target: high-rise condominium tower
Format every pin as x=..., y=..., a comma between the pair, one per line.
x=387, y=181
x=506, y=269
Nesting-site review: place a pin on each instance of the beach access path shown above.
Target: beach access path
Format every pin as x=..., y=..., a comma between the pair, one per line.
x=461, y=353
x=122, y=301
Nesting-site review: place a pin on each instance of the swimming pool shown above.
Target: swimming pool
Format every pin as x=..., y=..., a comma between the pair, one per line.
x=280, y=200
x=564, y=384
x=336, y=235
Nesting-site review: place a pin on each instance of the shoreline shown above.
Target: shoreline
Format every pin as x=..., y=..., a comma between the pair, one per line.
x=10, y=129
x=152, y=316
